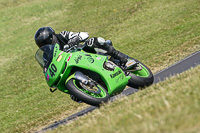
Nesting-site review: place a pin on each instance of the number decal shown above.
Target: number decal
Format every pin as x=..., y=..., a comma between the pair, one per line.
x=51, y=73
x=52, y=70
x=53, y=67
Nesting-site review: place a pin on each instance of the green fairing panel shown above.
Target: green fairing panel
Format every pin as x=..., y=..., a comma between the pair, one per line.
x=115, y=80
x=56, y=76
x=56, y=67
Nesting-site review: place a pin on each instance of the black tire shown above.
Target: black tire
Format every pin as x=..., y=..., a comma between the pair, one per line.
x=141, y=82
x=84, y=97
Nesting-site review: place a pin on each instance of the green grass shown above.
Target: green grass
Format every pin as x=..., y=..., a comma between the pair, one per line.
x=171, y=106
x=157, y=33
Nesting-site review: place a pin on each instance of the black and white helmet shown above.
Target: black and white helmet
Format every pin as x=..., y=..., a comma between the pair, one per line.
x=44, y=36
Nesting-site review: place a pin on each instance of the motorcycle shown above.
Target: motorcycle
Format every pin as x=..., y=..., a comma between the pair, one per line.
x=92, y=78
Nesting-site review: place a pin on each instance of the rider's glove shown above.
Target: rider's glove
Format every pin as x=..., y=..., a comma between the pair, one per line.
x=72, y=42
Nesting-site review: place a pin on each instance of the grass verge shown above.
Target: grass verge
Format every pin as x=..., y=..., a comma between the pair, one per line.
x=155, y=32
x=169, y=106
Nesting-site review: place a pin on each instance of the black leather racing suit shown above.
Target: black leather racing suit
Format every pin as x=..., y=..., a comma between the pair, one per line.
x=67, y=39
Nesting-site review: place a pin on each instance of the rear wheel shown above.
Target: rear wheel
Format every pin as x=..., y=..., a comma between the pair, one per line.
x=141, y=75
x=92, y=93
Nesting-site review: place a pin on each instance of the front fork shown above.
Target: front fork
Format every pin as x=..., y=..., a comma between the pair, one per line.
x=79, y=76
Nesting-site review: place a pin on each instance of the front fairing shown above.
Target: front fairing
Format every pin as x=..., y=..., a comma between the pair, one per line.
x=52, y=60
x=61, y=63
x=44, y=55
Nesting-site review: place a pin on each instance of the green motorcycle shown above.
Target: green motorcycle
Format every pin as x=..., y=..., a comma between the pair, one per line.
x=92, y=78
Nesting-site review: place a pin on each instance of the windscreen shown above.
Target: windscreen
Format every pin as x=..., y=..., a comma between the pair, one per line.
x=44, y=55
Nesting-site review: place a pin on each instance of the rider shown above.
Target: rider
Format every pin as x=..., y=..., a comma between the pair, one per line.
x=66, y=39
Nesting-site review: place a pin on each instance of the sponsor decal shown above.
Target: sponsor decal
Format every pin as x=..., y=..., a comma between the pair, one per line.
x=55, y=51
x=59, y=58
x=78, y=59
x=90, y=59
x=61, y=52
x=69, y=57
x=88, y=55
x=115, y=74
x=47, y=77
x=98, y=58
x=120, y=78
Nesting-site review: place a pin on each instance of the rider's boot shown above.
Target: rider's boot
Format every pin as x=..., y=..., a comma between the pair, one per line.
x=115, y=53
x=102, y=46
x=120, y=56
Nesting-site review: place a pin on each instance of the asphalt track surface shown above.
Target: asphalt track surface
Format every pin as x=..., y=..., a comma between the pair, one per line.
x=177, y=68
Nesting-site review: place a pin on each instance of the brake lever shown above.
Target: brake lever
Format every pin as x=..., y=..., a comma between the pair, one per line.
x=67, y=50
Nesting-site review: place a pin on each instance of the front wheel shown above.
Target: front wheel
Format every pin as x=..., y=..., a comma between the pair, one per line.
x=93, y=94
x=140, y=78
